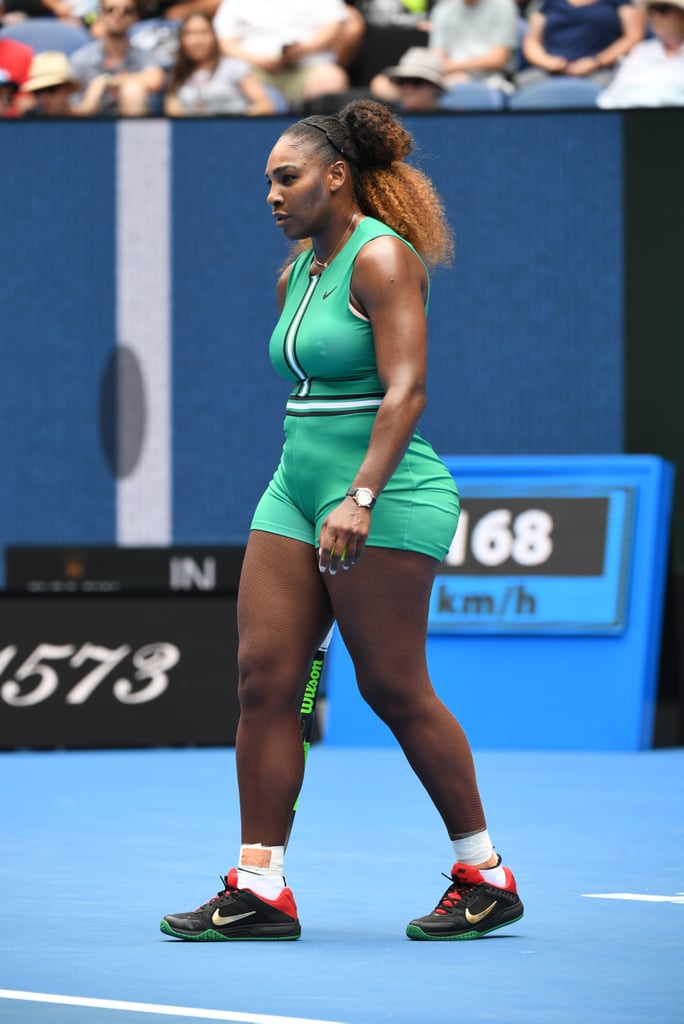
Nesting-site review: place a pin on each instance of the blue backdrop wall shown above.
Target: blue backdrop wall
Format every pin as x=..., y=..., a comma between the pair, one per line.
x=137, y=296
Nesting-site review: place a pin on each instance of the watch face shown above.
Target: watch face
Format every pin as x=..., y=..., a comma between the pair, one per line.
x=364, y=497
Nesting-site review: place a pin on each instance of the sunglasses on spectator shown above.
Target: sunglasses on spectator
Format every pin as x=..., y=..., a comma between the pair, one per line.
x=128, y=11
x=413, y=81
x=663, y=8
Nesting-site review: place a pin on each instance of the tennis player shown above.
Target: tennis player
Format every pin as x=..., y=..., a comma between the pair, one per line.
x=355, y=522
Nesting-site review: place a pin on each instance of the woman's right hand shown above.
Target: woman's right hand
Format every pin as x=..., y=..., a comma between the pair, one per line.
x=555, y=64
x=343, y=536
x=582, y=67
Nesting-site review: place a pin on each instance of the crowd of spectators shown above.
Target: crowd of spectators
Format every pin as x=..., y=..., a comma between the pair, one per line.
x=254, y=57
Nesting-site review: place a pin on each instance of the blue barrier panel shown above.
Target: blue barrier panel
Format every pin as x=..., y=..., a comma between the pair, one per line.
x=546, y=616
x=57, y=331
x=138, y=403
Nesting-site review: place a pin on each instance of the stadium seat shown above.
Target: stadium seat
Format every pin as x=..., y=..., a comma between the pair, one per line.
x=43, y=34
x=560, y=93
x=472, y=96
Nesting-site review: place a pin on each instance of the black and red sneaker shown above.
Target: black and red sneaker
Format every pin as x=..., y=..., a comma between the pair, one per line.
x=469, y=908
x=237, y=914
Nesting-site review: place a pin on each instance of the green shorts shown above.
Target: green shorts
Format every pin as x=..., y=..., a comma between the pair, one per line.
x=417, y=510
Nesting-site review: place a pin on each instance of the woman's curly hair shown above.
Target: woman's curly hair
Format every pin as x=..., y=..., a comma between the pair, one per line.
x=375, y=144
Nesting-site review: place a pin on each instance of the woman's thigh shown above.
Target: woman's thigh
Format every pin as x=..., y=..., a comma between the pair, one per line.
x=381, y=605
x=283, y=611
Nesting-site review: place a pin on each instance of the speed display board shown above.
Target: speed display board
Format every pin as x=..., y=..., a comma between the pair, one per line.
x=546, y=614
x=533, y=557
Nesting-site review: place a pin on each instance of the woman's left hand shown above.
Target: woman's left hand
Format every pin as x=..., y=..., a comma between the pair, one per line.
x=343, y=536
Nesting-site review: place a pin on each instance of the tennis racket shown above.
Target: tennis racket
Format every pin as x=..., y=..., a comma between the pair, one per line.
x=308, y=708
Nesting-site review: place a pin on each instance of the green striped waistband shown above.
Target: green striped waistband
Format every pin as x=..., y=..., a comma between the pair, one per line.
x=332, y=405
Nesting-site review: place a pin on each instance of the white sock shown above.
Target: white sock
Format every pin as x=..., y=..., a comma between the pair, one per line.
x=495, y=876
x=260, y=868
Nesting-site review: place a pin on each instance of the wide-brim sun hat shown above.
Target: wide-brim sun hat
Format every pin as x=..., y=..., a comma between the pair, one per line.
x=419, y=62
x=47, y=69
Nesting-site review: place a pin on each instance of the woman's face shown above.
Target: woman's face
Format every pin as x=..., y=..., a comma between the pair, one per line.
x=299, y=189
x=54, y=101
x=197, y=39
x=667, y=22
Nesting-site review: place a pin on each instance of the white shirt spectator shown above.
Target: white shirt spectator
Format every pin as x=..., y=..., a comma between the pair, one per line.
x=217, y=93
x=464, y=30
x=647, y=77
x=263, y=27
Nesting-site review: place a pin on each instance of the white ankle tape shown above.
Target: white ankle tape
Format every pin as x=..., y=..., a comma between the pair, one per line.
x=475, y=849
x=262, y=860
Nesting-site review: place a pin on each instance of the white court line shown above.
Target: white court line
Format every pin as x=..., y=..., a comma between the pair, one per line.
x=170, y=1011
x=642, y=897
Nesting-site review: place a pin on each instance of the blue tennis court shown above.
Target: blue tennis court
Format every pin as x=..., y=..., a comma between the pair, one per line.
x=97, y=846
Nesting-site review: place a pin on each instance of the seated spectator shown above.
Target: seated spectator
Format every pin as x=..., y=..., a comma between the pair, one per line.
x=417, y=81
x=476, y=39
x=8, y=88
x=118, y=79
x=573, y=37
x=50, y=85
x=290, y=45
x=204, y=82
x=652, y=73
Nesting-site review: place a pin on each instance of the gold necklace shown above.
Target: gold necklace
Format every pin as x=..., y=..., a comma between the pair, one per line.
x=326, y=263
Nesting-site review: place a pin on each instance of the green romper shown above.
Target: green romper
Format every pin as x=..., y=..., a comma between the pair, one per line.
x=327, y=348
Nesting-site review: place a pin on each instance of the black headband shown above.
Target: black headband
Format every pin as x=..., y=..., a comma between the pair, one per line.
x=335, y=145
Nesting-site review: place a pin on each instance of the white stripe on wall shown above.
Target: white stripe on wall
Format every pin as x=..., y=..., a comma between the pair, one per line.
x=143, y=309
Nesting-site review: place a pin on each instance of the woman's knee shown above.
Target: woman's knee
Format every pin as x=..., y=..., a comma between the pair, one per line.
x=391, y=701
x=266, y=683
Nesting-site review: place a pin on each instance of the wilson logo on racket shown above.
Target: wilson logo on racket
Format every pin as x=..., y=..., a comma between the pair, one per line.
x=311, y=688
